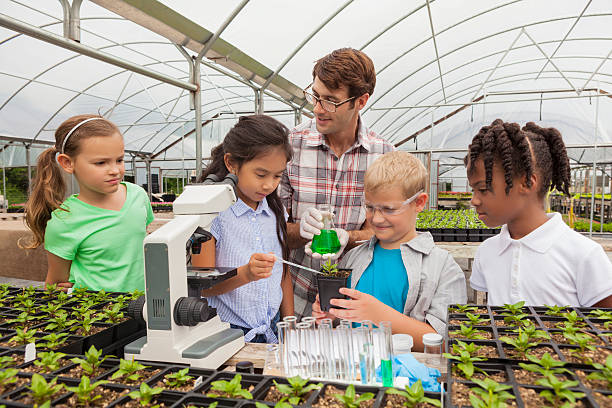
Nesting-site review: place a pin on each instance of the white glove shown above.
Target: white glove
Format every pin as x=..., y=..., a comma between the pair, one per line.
x=343, y=237
x=311, y=223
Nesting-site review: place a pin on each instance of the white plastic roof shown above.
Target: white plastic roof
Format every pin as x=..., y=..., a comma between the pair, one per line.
x=536, y=60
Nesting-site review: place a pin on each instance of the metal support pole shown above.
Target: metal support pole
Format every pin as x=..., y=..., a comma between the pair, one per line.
x=594, y=163
x=75, y=21
x=5, y=201
x=149, y=177
x=601, y=210
x=134, y=169
x=198, y=116
x=297, y=118
x=27, y=147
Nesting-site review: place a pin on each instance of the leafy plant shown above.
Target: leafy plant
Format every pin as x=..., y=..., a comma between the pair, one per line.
x=470, y=348
x=49, y=361
x=514, y=309
x=93, y=360
x=128, y=369
x=466, y=361
x=85, y=391
x=145, y=394
x=329, y=269
x=6, y=361
x=532, y=332
x=584, y=343
x=604, y=372
x=62, y=298
x=517, y=319
x=546, y=366
x=178, y=379
x=468, y=332
x=350, y=399
x=522, y=343
x=22, y=320
x=113, y=314
x=296, y=389
x=573, y=318
x=52, y=341
x=555, y=310
x=81, y=310
x=231, y=389
x=136, y=294
x=560, y=391
x=42, y=391
x=476, y=320
x=463, y=308
x=280, y=404
x=50, y=290
x=8, y=377
x=60, y=321
x=490, y=394
x=414, y=395
x=85, y=323
x=23, y=336
x=52, y=309
x=26, y=306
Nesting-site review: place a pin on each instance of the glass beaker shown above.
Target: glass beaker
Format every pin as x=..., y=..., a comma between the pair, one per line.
x=327, y=241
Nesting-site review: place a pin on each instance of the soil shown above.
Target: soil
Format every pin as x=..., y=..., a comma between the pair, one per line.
x=487, y=351
x=457, y=335
x=461, y=396
x=94, y=330
x=275, y=396
x=532, y=398
x=394, y=400
x=328, y=399
x=77, y=372
x=498, y=376
x=558, y=324
x=32, y=368
x=512, y=353
x=502, y=323
x=136, y=404
x=108, y=396
x=593, y=384
x=603, y=400
x=457, y=322
x=225, y=395
x=588, y=356
x=27, y=399
x=560, y=339
x=498, y=312
x=12, y=387
x=26, y=326
x=342, y=273
x=17, y=360
x=480, y=311
x=185, y=388
x=145, y=375
x=600, y=326
x=528, y=377
x=513, y=335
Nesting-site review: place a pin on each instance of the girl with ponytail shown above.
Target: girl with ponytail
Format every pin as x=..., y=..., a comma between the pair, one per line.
x=94, y=238
x=536, y=258
x=253, y=231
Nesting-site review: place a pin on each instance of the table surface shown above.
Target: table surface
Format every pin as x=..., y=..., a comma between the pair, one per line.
x=256, y=353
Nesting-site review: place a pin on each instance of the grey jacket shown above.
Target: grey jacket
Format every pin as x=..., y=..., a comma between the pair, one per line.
x=434, y=278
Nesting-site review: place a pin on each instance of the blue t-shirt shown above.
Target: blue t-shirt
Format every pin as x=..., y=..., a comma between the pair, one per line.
x=386, y=278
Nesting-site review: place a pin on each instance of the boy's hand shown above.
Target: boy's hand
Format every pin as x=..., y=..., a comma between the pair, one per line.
x=260, y=266
x=317, y=313
x=360, y=307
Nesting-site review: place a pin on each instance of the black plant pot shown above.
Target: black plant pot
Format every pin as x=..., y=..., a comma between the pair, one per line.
x=329, y=288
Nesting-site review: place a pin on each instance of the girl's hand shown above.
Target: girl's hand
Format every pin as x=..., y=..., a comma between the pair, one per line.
x=317, y=313
x=260, y=266
x=360, y=307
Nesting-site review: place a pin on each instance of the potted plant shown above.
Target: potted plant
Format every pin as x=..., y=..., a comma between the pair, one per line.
x=329, y=282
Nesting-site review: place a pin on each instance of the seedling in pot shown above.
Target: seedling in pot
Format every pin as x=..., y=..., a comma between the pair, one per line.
x=52, y=309
x=101, y=296
x=136, y=294
x=604, y=315
x=414, y=395
x=112, y=315
x=490, y=394
x=21, y=320
x=178, y=379
x=470, y=348
x=573, y=318
x=475, y=319
x=522, y=343
x=62, y=298
x=546, y=366
x=350, y=399
x=22, y=337
x=280, y=404
x=145, y=394
x=555, y=310
x=85, y=326
x=7, y=377
x=53, y=340
x=514, y=309
x=560, y=391
x=42, y=391
x=60, y=322
x=463, y=309
x=81, y=310
x=466, y=361
x=517, y=320
x=229, y=389
x=49, y=361
x=50, y=290
x=93, y=360
x=26, y=306
x=532, y=332
x=6, y=361
x=604, y=372
x=296, y=390
x=584, y=343
x=468, y=332
x=329, y=269
x=86, y=391
x=128, y=370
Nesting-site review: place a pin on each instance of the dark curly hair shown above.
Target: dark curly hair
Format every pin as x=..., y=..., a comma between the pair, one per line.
x=521, y=152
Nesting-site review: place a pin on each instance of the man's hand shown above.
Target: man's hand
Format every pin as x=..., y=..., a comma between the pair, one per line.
x=343, y=237
x=311, y=223
x=260, y=266
x=359, y=307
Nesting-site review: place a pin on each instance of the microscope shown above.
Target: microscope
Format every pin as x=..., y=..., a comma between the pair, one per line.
x=181, y=327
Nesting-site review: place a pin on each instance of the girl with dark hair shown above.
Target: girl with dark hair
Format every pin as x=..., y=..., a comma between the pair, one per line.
x=536, y=257
x=253, y=231
x=94, y=238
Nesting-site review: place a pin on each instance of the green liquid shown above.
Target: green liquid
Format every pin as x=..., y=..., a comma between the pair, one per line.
x=326, y=243
x=387, y=373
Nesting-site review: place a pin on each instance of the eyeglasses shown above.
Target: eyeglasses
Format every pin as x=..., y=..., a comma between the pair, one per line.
x=387, y=211
x=327, y=105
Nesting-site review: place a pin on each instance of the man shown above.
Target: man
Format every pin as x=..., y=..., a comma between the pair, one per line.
x=330, y=156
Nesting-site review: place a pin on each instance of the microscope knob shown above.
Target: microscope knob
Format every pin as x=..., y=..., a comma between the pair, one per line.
x=189, y=311
x=134, y=309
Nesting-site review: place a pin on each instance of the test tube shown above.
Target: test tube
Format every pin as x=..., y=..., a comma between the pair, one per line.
x=366, y=357
x=309, y=319
x=303, y=330
x=292, y=320
x=345, y=348
x=283, y=347
x=325, y=337
x=386, y=353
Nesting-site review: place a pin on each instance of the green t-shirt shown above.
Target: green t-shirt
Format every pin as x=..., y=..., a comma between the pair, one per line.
x=105, y=246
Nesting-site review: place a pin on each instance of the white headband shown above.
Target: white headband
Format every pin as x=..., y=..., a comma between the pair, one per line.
x=75, y=128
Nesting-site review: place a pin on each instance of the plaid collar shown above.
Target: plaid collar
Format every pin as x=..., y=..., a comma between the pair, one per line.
x=316, y=139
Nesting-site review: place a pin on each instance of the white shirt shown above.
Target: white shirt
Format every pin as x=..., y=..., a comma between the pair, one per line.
x=551, y=265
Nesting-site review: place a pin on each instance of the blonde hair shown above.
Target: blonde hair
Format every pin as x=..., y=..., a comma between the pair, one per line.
x=396, y=169
x=48, y=188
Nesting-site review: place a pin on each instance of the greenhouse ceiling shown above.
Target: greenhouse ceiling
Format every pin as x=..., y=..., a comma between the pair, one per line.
x=444, y=68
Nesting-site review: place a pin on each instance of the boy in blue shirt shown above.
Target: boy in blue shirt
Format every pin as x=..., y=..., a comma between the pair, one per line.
x=399, y=275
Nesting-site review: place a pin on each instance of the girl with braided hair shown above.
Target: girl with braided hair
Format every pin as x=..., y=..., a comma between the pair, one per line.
x=536, y=257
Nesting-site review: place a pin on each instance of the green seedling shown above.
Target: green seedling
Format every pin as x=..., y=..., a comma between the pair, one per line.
x=60, y=322
x=81, y=310
x=466, y=362
x=280, y=404
x=86, y=391
x=128, y=369
x=468, y=332
x=584, y=343
x=26, y=306
x=53, y=340
x=102, y=296
x=604, y=315
x=136, y=294
x=231, y=389
x=560, y=395
x=546, y=366
x=145, y=394
x=568, y=328
x=85, y=324
x=522, y=343
x=178, y=379
x=8, y=377
x=470, y=348
x=22, y=320
x=517, y=320
x=329, y=269
x=51, y=309
x=50, y=290
x=112, y=315
x=414, y=395
x=23, y=336
x=604, y=372
x=42, y=391
x=297, y=388
x=463, y=308
x=93, y=360
x=350, y=399
x=514, y=309
x=490, y=394
x=6, y=361
x=573, y=318
x=475, y=319
x=61, y=298
x=79, y=293
x=555, y=310
x=532, y=332
x=49, y=361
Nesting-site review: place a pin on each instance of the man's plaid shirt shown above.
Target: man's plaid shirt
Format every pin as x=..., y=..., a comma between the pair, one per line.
x=317, y=176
